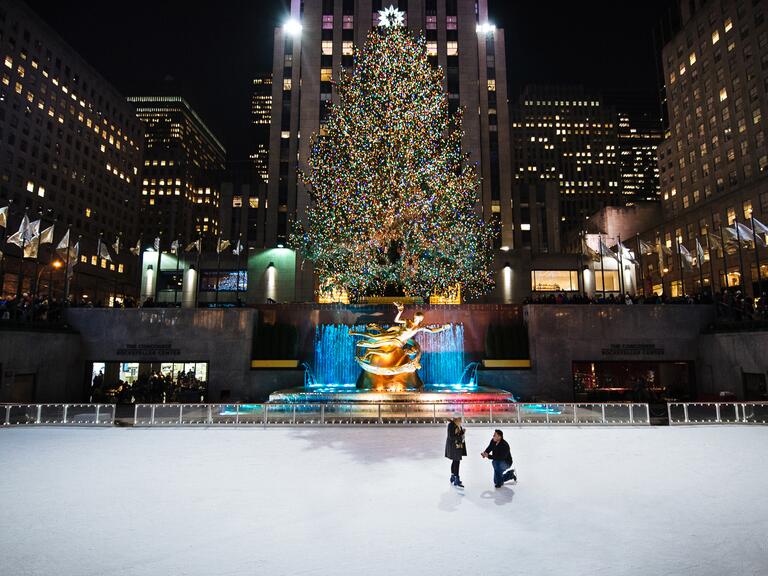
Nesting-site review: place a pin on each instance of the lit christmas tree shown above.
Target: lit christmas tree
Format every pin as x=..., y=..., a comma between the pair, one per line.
x=393, y=197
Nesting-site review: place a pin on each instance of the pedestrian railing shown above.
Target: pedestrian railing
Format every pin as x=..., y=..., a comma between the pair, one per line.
x=57, y=414
x=717, y=413
x=388, y=413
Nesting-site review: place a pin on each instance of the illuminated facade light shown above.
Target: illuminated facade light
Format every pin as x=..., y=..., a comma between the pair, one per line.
x=486, y=28
x=292, y=27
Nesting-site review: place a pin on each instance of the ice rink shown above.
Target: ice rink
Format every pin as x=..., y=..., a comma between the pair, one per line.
x=377, y=501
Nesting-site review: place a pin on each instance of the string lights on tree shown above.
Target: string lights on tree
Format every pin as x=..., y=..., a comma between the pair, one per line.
x=393, y=198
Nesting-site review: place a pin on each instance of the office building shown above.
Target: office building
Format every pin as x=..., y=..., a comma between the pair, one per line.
x=261, y=119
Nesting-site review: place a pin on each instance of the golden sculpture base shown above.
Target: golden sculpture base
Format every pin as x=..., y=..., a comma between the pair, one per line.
x=389, y=358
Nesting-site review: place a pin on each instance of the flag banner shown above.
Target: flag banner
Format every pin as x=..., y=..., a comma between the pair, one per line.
x=175, y=247
x=1, y=255
x=116, y=246
x=46, y=236
x=760, y=228
x=605, y=251
x=666, y=249
x=26, y=232
x=746, y=235
x=699, y=253
x=3, y=216
x=238, y=249
x=587, y=251
x=63, y=245
x=136, y=250
x=74, y=256
x=646, y=248
x=222, y=245
x=193, y=246
x=104, y=252
x=660, y=252
x=714, y=241
x=685, y=255
x=156, y=245
x=626, y=253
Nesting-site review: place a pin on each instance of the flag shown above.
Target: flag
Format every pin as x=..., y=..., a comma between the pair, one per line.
x=660, y=252
x=605, y=251
x=666, y=249
x=699, y=253
x=760, y=228
x=31, y=249
x=238, y=249
x=646, y=248
x=46, y=236
x=715, y=241
x=626, y=253
x=222, y=245
x=26, y=233
x=63, y=245
x=175, y=246
x=746, y=234
x=116, y=246
x=587, y=251
x=156, y=245
x=685, y=255
x=104, y=251
x=193, y=246
x=3, y=216
x=136, y=250
x=74, y=255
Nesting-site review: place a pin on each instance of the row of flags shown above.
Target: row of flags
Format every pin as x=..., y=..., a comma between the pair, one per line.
x=738, y=233
x=29, y=238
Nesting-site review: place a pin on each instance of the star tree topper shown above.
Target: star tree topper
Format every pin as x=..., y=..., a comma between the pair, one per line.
x=391, y=17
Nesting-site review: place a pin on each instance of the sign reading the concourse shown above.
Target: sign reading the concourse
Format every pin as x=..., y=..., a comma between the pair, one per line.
x=633, y=350
x=148, y=350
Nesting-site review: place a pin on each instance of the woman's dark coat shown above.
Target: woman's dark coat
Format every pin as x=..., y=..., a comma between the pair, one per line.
x=455, y=447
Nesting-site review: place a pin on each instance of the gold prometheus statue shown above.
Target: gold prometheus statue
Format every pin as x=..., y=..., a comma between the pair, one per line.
x=390, y=356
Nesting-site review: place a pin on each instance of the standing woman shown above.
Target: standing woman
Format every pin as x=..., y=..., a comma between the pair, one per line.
x=455, y=448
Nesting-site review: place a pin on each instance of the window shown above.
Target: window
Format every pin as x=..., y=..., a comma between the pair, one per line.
x=492, y=85
x=253, y=202
x=731, y=216
x=347, y=48
x=611, y=280
x=723, y=94
x=287, y=84
x=555, y=280
x=452, y=48
x=237, y=201
x=325, y=74
x=326, y=48
x=715, y=37
x=432, y=48
x=747, y=206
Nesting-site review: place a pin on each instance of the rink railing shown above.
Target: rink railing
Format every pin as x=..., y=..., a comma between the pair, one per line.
x=57, y=414
x=717, y=413
x=394, y=413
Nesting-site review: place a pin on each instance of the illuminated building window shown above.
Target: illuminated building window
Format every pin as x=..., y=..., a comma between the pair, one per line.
x=87, y=212
x=452, y=48
x=728, y=25
x=326, y=74
x=327, y=48
x=747, y=209
x=347, y=48
x=253, y=202
x=287, y=84
x=120, y=268
x=492, y=85
x=237, y=202
x=327, y=22
x=692, y=58
x=30, y=187
x=723, y=94
x=555, y=280
x=431, y=22
x=451, y=23
x=94, y=261
x=715, y=37
x=348, y=22
x=41, y=192
x=151, y=201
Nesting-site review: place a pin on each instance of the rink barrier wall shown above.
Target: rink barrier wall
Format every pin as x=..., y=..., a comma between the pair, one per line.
x=57, y=414
x=389, y=413
x=681, y=413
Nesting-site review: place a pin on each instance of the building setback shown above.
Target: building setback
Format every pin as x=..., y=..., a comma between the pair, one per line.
x=304, y=65
x=179, y=193
x=70, y=153
x=714, y=161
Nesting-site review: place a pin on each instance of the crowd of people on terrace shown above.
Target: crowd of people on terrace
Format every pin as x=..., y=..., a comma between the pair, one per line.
x=150, y=388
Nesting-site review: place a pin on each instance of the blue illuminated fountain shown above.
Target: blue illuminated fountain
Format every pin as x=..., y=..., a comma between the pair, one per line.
x=442, y=363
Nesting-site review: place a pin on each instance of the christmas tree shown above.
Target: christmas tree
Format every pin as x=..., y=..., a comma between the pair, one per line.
x=394, y=200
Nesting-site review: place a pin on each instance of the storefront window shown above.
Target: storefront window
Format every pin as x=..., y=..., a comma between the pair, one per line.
x=631, y=381
x=554, y=280
x=611, y=280
x=227, y=281
x=148, y=382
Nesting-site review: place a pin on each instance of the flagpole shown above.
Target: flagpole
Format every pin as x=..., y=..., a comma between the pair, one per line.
x=36, y=288
x=19, y=286
x=140, y=267
x=218, y=269
x=741, y=257
x=579, y=263
x=176, y=284
x=759, y=292
x=237, y=282
x=621, y=265
x=680, y=258
x=711, y=268
x=199, y=272
x=114, y=275
x=66, y=268
x=157, y=274
x=2, y=259
x=640, y=262
x=602, y=268
x=74, y=284
x=701, y=269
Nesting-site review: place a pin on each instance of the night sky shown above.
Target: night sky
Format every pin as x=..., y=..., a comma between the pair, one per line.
x=208, y=52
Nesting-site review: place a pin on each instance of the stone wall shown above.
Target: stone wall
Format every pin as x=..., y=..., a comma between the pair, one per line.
x=221, y=337
x=725, y=358
x=50, y=362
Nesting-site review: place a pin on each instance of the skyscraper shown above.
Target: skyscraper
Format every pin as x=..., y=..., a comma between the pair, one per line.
x=320, y=41
x=180, y=193
x=640, y=134
x=70, y=149
x=714, y=160
x=563, y=136
x=261, y=118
